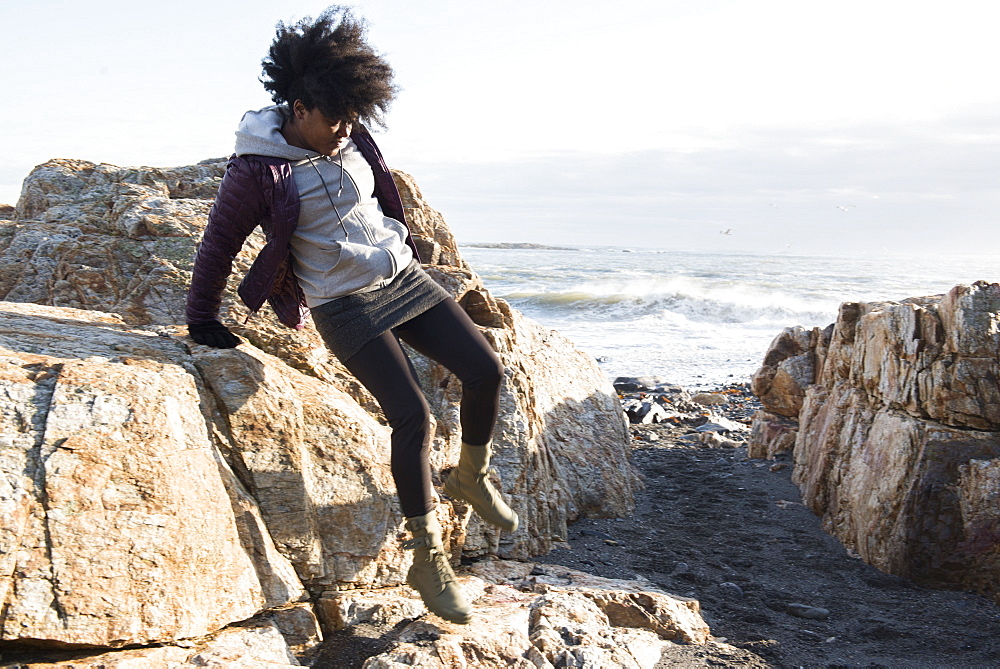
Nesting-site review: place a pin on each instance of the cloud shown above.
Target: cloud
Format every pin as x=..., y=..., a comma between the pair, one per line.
x=910, y=187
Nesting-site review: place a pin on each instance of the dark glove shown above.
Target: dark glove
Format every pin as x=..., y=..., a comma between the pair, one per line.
x=213, y=333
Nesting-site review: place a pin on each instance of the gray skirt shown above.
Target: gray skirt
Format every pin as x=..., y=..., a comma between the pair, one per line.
x=347, y=323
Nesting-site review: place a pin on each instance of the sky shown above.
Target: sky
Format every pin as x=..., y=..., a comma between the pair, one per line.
x=796, y=125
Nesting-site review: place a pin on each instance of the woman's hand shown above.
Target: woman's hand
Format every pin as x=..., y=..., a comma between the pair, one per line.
x=213, y=333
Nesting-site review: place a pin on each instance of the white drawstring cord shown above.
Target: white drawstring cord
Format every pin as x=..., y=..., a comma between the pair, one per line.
x=347, y=235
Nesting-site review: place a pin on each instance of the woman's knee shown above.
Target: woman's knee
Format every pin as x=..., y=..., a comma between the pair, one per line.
x=487, y=375
x=411, y=419
x=495, y=374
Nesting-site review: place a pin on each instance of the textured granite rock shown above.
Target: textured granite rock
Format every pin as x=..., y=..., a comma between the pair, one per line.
x=121, y=240
x=156, y=491
x=898, y=439
x=254, y=645
x=789, y=367
x=771, y=434
x=122, y=521
x=529, y=617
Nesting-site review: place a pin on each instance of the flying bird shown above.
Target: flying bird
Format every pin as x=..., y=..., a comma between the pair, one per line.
x=845, y=207
x=727, y=231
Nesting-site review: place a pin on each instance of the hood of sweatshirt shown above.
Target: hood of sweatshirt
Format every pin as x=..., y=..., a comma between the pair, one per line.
x=259, y=134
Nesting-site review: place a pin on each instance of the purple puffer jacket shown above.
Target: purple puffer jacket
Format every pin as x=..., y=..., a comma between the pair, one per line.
x=260, y=190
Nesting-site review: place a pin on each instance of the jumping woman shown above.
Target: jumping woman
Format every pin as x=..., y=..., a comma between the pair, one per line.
x=308, y=172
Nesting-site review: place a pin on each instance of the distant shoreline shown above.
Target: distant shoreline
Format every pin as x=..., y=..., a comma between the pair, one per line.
x=517, y=245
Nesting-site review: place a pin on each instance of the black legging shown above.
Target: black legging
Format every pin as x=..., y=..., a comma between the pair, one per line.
x=444, y=333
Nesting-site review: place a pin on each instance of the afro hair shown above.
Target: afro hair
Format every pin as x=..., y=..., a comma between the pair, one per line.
x=327, y=63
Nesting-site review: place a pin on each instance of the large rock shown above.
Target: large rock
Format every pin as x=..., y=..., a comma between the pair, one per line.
x=561, y=445
x=530, y=617
x=206, y=486
x=898, y=439
x=255, y=644
x=316, y=462
x=788, y=369
x=107, y=238
x=122, y=523
x=771, y=435
x=979, y=499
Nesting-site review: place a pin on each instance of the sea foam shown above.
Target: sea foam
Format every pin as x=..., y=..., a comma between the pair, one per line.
x=699, y=319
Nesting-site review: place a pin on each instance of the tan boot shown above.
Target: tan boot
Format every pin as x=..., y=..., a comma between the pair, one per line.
x=470, y=483
x=431, y=574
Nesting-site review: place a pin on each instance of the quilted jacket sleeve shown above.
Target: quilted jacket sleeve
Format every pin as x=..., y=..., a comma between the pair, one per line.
x=239, y=207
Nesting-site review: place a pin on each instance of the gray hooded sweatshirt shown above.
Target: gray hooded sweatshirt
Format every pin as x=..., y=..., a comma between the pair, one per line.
x=343, y=243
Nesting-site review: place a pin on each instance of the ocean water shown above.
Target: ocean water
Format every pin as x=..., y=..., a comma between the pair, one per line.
x=700, y=319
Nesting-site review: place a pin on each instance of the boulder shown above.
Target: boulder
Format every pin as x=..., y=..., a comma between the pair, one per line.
x=107, y=238
x=897, y=443
x=771, y=435
x=157, y=491
x=121, y=240
x=646, y=384
x=255, y=644
x=891, y=487
x=526, y=616
x=787, y=370
x=123, y=523
x=317, y=464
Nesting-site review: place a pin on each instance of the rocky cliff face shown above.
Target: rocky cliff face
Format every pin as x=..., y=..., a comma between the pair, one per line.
x=155, y=490
x=894, y=414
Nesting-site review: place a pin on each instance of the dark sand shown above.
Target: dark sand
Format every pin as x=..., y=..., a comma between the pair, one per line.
x=711, y=516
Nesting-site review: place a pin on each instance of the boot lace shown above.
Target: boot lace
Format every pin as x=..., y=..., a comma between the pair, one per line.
x=488, y=490
x=442, y=569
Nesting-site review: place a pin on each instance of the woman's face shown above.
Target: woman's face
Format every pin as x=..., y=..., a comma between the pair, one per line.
x=323, y=135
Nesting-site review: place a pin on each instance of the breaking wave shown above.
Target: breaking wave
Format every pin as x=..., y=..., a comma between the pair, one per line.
x=699, y=318
x=675, y=300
